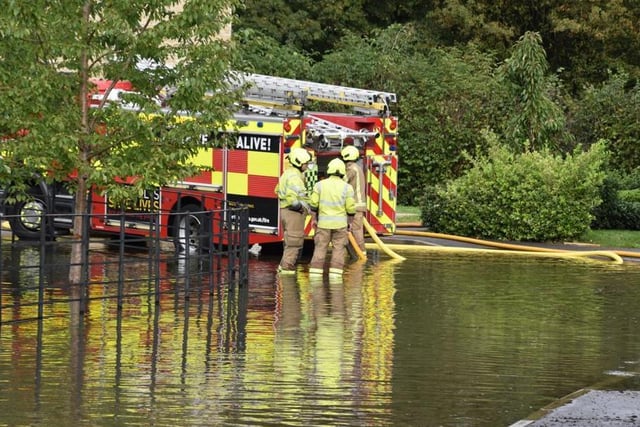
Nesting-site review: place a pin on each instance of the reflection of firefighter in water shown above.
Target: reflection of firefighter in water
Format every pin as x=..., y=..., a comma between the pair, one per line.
x=332, y=333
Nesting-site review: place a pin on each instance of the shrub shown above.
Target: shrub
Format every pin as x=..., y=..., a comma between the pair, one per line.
x=610, y=111
x=533, y=196
x=620, y=209
x=629, y=180
x=632, y=195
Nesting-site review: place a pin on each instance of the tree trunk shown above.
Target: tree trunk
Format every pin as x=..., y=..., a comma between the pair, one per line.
x=77, y=256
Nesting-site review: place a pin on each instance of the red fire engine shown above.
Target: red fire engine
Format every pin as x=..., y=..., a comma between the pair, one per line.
x=272, y=122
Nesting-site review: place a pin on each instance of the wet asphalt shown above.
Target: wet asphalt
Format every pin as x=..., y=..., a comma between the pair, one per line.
x=593, y=408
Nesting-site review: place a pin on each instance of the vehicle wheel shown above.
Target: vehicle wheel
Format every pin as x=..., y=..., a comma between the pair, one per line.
x=26, y=221
x=190, y=231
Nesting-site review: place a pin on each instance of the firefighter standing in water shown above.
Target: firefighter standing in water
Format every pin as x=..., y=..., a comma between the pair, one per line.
x=355, y=177
x=294, y=208
x=333, y=200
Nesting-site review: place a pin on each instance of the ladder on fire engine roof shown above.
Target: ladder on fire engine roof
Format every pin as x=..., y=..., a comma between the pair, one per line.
x=262, y=92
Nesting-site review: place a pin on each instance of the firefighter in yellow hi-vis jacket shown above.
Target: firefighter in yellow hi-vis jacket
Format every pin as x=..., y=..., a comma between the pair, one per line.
x=294, y=208
x=355, y=177
x=333, y=200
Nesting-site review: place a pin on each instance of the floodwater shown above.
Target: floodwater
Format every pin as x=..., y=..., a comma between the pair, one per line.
x=440, y=339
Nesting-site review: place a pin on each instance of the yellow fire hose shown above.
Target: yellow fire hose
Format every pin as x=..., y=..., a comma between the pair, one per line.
x=513, y=249
x=379, y=242
x=573, y=255
x=356, y=247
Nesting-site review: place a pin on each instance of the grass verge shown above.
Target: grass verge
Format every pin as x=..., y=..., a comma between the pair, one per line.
x=612, y=238
x=407, y=214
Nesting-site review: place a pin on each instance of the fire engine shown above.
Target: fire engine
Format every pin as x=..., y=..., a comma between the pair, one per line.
x=272, y=120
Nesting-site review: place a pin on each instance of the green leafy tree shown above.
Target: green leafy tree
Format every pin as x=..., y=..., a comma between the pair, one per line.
x=51, y=50
x=446, y=98
x=263, y=54
x=588, y=38
x=536, y=121
x=460, y=22
x=310, y=26
x=383, y=14
x=583, y=38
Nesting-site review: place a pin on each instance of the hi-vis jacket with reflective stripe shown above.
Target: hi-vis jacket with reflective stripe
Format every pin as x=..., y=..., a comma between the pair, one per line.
x=334, y=199
x=291, y=188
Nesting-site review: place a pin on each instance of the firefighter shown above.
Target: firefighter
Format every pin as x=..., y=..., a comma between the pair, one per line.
x=355, y=177
x=294, y=208
x=333, y=200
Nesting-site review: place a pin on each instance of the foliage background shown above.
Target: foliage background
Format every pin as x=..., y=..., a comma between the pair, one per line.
x=546, y=76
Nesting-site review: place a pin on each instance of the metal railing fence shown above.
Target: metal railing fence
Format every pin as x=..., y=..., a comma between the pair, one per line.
x=202, y=251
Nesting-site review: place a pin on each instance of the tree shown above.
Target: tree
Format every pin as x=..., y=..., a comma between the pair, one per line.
x=446, y=98
x=583, y=38
x=312, y=27
x=50, y=51
x=536, y=120
x=263, y=54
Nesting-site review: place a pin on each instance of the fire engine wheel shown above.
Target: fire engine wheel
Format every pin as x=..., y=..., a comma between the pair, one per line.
x=189, y=232
x=26, y=223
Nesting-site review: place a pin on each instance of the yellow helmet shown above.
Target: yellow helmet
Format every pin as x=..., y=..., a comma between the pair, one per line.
x=336, y=167
x=350, y=153
x=299, y=156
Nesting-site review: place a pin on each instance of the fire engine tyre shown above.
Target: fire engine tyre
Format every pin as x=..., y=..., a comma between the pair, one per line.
x=190, y=226
x=26, y=223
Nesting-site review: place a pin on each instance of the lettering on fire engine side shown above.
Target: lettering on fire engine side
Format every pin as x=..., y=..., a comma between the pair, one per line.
x=148, y=201
x=264, y=143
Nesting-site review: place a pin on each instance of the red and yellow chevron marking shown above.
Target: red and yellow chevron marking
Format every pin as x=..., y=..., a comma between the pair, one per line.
x=308, y=227
x=385, y=143
x=382, y=174
x=292, y=133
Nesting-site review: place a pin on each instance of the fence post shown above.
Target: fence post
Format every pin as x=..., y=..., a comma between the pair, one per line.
x=1, y=278
x=231, y=246
x=43, y=248
x=121, y=259
x=156, y=272
x=243, y=228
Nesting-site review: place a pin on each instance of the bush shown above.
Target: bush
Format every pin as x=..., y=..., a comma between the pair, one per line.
x=610, y=111
x=534, y=196
x=632, y=195
x=620, y=209
x=629, y=180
